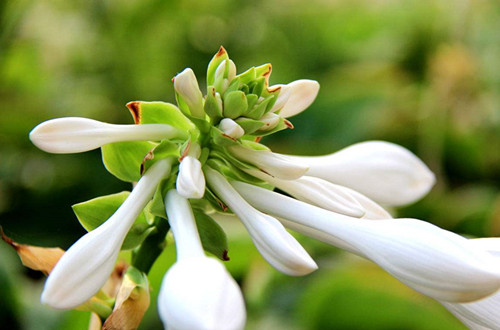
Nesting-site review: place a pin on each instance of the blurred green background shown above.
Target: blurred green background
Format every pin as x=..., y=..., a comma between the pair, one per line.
x=424, y=74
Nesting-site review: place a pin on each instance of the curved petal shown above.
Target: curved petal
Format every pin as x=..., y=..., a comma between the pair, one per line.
x=316, y=191
x=74, y=134
x=301, y=95
x=190, y=180
x=199, y=293
x=274, y=243
x=385, y=172
x=417, y=253
x=277, y=165
x=86, y=266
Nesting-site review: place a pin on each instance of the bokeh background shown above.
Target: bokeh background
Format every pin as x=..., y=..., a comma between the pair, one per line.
x=424, y=74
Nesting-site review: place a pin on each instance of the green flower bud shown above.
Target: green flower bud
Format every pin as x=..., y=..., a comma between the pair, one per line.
x=235, y=104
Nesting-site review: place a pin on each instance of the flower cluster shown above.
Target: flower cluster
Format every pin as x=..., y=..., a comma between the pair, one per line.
x=202, y=157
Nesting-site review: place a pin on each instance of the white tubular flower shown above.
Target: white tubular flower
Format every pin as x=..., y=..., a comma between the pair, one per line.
x=283, y=96
x=317, y=192
x=280, y=166
x=274, y=243
x=433, y=261
x=231, y=128
x=190, y=180
x=75, y=134
x=186, y=85
x=197, y=292
x=385, y=172
x=481, y=314
x=86, y=266
x=299, y=95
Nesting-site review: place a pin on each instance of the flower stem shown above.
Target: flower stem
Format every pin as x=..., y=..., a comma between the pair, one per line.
x=144, y=257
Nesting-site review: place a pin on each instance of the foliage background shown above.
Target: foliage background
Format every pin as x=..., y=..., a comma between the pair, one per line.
x=424, y=74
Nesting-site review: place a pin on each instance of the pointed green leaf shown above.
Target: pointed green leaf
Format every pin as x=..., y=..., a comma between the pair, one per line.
x=213, y=238
x=214, y=63
x=160, y=113
x=235, y=104
x=249, y=125
x=124, y=159
x=94, y=212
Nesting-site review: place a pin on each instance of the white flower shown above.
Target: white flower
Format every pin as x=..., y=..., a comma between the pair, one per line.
x=295, y=97
x=417, y=253
x=86, y=266
x=197, y=292
x=231, y=128
x=277, y=165
x=190, y=180
x=484, y=313
x=385, y=172
x=274, y=243
x=317, y=192
x=186, y=85
x=74, y=134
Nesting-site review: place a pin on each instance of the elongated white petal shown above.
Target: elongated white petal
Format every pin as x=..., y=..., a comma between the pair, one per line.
x=231, y=128
x=190, y=181
x=86, y=266
x=186, y=85
x=274, y=243
x=302, y=94
x=199, y=293
x=183, y=225
x=385, y=172
x=74, y=134
x=277, y=165
x=484, y=313
x=317, y=192
x=431, y=260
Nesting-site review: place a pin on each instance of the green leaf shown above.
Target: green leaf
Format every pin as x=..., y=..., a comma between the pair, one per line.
x=221, y=139
x=156, y=206
x=211, y=106
x=249, y=125
x=163, y=113
x=124, y=159
x=213, y=238
x=235, y=103
x=94, y=212
x=247, y=76
x=161, y=151
x=260, y=109
x=214, y=63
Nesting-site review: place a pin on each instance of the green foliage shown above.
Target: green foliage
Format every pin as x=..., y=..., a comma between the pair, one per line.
x=94, y=212
x=124, y=159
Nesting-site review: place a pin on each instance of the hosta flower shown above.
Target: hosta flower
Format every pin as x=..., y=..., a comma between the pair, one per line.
x=197, y=292
x=198, y=159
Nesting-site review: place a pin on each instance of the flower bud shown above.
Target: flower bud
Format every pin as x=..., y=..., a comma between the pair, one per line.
x=199, y=293
x=299, y=95
x=190, y=180
x=231, y=128
x=186, y=85
x=74, y=134
x=270, y=120
x=385, y=172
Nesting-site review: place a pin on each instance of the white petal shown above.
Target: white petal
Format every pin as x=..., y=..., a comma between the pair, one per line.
x=74, y=134
x=385, y=172
x=231, y=128
x=274, y=243
x=199, y=293
x=270, y=121
x=190, y=180
x=302, y=94
x=186, y=85
x=484, y=313
x=183, y=225
x=277, y=165
x=283, y=96
x=86, y=266
x=373, y=211
x=417, y=253
x=317, y=192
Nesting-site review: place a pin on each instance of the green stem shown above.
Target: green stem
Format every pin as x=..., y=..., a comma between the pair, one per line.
x=145, y=256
